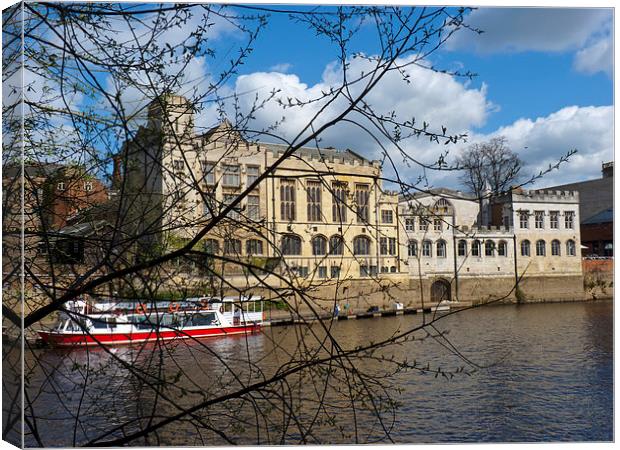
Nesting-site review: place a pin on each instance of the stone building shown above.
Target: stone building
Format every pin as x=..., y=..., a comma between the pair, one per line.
x=596, y=212
x=322, y=211
x=528, y=236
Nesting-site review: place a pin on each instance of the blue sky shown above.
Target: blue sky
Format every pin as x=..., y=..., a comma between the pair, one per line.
x=545, y=81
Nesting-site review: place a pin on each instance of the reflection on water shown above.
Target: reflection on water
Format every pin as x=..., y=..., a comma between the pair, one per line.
x=532, y=373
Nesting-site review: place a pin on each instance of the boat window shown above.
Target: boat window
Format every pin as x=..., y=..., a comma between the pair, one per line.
x=228, y=307
x=99, y=323
x=259, y=306
x=201, y=319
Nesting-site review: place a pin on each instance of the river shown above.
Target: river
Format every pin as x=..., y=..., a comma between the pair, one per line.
x=531, y=373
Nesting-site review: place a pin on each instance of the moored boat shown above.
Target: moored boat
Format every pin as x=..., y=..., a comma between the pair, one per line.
x=82, y=323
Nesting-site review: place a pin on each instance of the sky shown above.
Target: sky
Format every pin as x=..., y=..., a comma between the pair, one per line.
x=544, y=81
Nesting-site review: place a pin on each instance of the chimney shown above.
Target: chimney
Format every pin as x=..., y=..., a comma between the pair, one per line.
x=608, y=169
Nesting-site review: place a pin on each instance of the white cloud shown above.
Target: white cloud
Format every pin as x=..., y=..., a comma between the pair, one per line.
x=537, y=29
x=597, y=57
x=431, y=97
x=541, y=141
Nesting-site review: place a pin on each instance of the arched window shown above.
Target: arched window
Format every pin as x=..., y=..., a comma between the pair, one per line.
x=555, y=247
x=232, y=247
x=412, y=248
x=291, y=245
x=475, y=248
x=502, y=248
x=489, y=248
x=462, y=247
x=212, y=246
x=441, y=248
x=319, y=245
x=540, y=248
x=361, y=245
x=427, y=248
x=525, y=248
x=336, y=245
x=570, y=248
x=253, y=247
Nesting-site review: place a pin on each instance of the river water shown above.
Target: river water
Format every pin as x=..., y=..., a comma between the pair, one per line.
x=530, y=373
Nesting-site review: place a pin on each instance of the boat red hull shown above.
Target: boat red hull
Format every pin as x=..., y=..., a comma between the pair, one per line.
x=78, y=339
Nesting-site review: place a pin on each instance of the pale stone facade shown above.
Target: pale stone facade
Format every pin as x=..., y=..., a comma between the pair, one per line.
x=323, y=211
x=525, y=234
x=325, y=214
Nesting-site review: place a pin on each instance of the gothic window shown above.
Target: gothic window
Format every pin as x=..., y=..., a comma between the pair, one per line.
x=555, y=247
x=339, y=202
x=569, y=219
x=525, y=248
x=570, y=248
x=540, y=248
x=336, y=245
x=254, y=247
x=427, y=248
x=362, y=198
x=475, y=248
x=441, y=249
x=313, y=193
x=291, y=245
x=361, y=245
x=539, y=219
x=502, y=248
x=231, y=176
x=462, y=248
x=319, y=246
x=412, y=248
x=287, y=200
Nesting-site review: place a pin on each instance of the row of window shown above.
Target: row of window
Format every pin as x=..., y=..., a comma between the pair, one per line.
x=541, y=248
x=424, y=223
x=231, y=173
x=554, y=219
x=490, y=248
x=88, y=186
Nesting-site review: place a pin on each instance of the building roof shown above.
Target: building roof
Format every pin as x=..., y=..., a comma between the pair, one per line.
x=605, y=216
x=442, y=192
x=318, y=153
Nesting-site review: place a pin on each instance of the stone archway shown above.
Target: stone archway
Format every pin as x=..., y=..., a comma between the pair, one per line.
x=441, y=291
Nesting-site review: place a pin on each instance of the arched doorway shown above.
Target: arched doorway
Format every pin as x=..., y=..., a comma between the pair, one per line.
x=440, y=291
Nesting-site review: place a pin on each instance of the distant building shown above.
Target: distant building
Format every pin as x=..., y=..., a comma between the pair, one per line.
x=324, y=211
x=596, y=211
x=527, y=234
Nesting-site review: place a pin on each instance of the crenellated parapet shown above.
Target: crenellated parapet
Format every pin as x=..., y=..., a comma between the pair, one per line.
x=545, y=196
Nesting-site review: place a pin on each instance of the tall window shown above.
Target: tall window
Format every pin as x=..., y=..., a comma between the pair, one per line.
x=427, y=248
x=313, y=193
x=232, y=247
x=524, y=219
x=253, y=207
x=525, y=248
x=339, y=202
x=462, y=248
x=553, y=219
x=228, y=199
x=570, y=248
x=387, y=216
x=475, y=248
x=555, y=247
x=361, y=245
x=178, y=165
x=410, y=224
x=252, y=174
x=209, y=204
x=412, y=248
x=540, y=248
x=212, y=246
x=362, y=198
x=336, y=245
x=383, y=246
x=231, y=176
x=489, y=248
x=441, y=249
x=291, y=245
x=502, y=248
x=254, y=247
x=423, y=223
x=287, y=200
x=569, y=219
x=334, y=271
x=437, y=226
x=208, y=172
x=319, y=246
x=392, y=246
x=539, y=219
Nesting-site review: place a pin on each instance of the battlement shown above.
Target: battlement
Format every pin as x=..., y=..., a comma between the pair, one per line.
x=493, y=230
x=545, y=195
